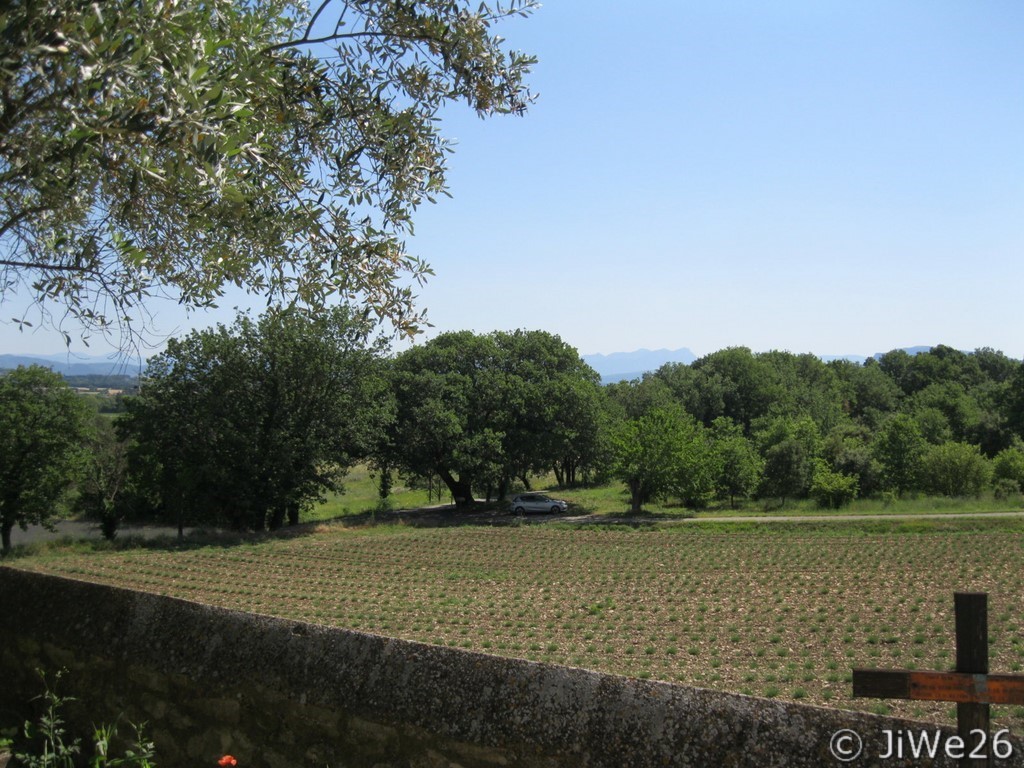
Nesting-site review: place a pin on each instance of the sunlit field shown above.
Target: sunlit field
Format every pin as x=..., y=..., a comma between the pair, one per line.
x=781, y=610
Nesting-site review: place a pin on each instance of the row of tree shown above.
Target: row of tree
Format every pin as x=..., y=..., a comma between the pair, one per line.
x=784, y=426
x=247, y=425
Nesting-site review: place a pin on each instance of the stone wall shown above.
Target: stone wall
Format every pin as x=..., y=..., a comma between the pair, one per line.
x=278, y=693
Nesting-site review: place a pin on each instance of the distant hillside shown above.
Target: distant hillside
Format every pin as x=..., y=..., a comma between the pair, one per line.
x=617, y=366
x=911, y=351
x=622, y=366
x=876, y=356
x=625, y=366
x=96, y=366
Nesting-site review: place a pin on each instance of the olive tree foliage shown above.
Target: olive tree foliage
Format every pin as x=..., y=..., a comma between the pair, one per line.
x=248, y=425
x=43, y=425
x=160, y=147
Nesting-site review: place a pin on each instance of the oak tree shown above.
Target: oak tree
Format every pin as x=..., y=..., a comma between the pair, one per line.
x=899, y=447
x=480, y=410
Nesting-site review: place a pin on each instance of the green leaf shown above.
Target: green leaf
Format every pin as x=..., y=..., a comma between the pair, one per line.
x=213, y=94
x=233, y=194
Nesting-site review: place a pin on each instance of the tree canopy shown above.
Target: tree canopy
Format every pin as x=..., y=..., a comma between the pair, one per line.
x=248, y=425
x=661, y=453
x=481, y=410
x=245, y=426
x=159, y=147
x=839, y=429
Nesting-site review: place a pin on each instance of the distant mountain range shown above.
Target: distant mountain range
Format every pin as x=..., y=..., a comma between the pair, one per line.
x=623, y=366
x=70, y=366
x=876, y=356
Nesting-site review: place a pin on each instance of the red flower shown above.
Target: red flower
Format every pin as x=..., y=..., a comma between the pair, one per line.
x=227, y=760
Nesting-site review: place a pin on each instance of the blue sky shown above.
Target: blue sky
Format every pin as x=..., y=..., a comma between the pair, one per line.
x=827, y=177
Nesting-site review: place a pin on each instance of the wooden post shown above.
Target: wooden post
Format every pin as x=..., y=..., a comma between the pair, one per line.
x=971, y=610
x=970, y=686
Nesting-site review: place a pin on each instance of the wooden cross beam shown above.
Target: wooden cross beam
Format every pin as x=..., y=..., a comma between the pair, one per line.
x=959, y=687
x=970, y=686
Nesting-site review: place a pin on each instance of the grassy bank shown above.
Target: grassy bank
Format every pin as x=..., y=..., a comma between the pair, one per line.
x=362, y=485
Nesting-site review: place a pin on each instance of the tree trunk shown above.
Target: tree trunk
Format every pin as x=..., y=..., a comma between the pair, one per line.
x=5, y=537
x=171, y=496
x=293, y=513
x=636, y=496
x=256, y=519
x=384, y=489
x=559, y=477
x=461, y=489
x=277, y=517
x=526, y=481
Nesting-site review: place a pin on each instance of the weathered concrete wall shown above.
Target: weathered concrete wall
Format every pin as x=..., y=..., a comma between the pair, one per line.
x=279, y=693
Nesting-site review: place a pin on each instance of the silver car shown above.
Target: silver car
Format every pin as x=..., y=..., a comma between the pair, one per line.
x=536, y=502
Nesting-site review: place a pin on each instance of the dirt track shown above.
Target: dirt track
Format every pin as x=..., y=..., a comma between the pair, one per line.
x=446, y=516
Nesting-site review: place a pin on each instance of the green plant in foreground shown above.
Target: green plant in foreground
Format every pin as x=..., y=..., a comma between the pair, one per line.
x=142, y=758
x=6, y=741
x=54, y=749
x=56, y=752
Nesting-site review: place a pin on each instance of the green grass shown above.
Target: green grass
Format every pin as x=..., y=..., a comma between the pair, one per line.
x=612, y=499
x=911, y=505
x=360, y=496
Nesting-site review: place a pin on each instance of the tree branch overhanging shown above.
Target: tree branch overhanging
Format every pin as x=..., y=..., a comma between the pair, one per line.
x=251, y=148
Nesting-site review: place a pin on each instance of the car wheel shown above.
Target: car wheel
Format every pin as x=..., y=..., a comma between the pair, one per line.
x=520, y=511
x=555, y=510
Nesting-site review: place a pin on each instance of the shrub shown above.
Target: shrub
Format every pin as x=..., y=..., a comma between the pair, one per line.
x=955, y=469
x=832, y=489
x=1004, y=488
x=1008, y=465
